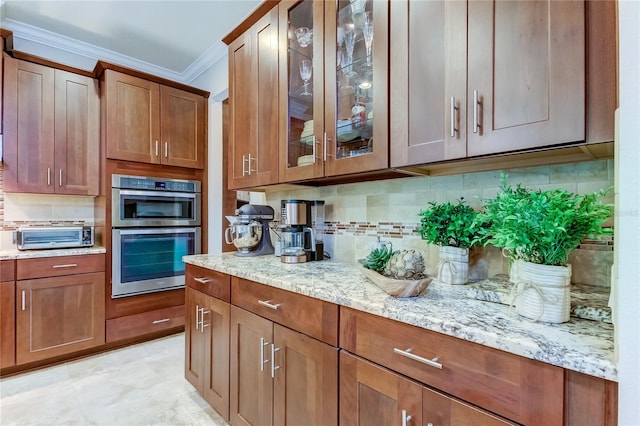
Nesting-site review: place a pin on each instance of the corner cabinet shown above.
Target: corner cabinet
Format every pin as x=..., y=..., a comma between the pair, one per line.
x=59, y=306
x=253, y=105
x=153, y=123
x=51, y=130
x=476, y=78
x=333, y=77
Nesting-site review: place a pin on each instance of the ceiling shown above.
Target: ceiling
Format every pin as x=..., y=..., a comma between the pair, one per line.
x=173, y=39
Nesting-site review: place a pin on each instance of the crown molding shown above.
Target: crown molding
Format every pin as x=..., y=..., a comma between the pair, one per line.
x=84, y=52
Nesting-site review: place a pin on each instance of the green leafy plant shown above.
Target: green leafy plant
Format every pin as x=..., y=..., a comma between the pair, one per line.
x=448, y=224
x=541, y=226
x=377, y=259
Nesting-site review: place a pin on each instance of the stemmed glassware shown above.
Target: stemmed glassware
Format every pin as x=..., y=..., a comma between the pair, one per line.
x=347, y=70
x=349, y=43
x=367, y=32
x=306, y=68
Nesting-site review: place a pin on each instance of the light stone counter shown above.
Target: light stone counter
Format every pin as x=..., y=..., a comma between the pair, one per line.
x=30, y=254
x=581, y=345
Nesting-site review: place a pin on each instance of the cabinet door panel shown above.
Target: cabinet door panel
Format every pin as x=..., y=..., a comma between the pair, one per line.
x=251, y=383
x=183, y=128
x=133, y=127
x=8, y=324
x=77, y=134
x=28, y=127
x=526, y=62
x=372, y=395
x=60, y=315
x=194, y=361
x=216, y=367
x=306, y=384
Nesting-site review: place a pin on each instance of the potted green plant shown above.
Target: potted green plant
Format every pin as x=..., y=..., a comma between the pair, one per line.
x=454, y=228
x=537, y=230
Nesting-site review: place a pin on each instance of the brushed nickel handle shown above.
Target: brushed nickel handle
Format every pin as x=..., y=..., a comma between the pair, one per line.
x=202, y=323
x=476, y=112
x=453, y=116
x=263, y=361
x=201, y=280
x=274, y=367
x=269, y=305
x=66, y=265
x=430, y=362
x=197, y=315
x=48, y=176
x=60, y=177
x=249, y=164
x=405, y=418
x=24, y=300
x=316, y=141
x=166, y=149
x=161, y=321
x=243, y=160
x=156, y=148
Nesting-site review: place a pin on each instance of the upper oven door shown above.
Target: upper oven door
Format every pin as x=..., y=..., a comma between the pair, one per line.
x=154, y=208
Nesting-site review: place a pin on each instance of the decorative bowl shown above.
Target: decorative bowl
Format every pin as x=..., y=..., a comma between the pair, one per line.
x=396, y=288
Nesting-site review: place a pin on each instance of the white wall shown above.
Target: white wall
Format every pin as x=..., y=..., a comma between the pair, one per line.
x=215, y=80
x=628, y=210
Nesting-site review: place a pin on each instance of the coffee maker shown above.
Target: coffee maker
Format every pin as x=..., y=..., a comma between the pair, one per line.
x=249, y=230
x=301, y=222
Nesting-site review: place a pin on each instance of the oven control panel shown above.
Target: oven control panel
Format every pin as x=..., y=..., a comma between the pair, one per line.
x=154, y=184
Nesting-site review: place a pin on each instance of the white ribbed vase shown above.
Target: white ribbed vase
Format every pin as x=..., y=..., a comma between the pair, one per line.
x=453, y=267
x=541, y=292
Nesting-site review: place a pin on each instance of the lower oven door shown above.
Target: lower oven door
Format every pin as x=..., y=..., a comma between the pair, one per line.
x=150, y=260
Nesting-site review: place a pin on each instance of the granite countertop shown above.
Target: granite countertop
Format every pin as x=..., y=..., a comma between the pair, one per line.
x=580, y=345
x=30, y=254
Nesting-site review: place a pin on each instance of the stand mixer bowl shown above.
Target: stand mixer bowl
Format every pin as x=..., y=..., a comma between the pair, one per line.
x=244, y=236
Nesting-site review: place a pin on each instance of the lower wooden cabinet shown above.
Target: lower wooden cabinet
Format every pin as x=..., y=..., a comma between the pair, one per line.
x=280, y=376
x=207, y=348
x=58, y=315
x=372, y=395
x=7, y=313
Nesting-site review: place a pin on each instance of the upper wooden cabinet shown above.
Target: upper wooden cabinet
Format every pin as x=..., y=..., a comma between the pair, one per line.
x=51, y=130
x=333, y=77
x=152, y=123
x=476, y=78
x=253, y=102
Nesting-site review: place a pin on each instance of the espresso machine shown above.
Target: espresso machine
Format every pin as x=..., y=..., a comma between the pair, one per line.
x=302, y=222
x=249, y=230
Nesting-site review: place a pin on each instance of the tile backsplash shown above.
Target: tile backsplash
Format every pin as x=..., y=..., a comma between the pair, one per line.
x=357, y=213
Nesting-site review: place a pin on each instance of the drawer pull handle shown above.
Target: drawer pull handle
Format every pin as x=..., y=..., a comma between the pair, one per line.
x=405, y=418
x=430, y=362
x=66, y=265
x=268, y=305
x=201, y=280
x=24, y=300
x=161, y=321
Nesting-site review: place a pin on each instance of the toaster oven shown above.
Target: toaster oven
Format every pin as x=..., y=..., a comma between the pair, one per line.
x=53, y=237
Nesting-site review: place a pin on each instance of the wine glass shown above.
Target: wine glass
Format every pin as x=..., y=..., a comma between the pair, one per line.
x=367, y=32
x=304, y=36
x=347, y=71
x=306, y=68
x=349, y=43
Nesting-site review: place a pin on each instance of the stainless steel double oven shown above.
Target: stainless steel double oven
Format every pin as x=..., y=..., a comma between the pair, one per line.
x=154, y=223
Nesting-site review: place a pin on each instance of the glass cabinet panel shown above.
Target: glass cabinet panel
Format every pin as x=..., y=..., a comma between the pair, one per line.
x=354, y=77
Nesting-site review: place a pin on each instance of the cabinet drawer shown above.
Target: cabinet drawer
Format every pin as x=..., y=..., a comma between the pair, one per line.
x=310, y=316
x=7, y=270
x=60, y=265
x=517, y=388
x=144, y=323
x=210, y=282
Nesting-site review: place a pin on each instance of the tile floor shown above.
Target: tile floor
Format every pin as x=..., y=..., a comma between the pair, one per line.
x=139, y=385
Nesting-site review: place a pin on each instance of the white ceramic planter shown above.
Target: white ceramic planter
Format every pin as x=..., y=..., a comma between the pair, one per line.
x=541, y=292
x=453, y=267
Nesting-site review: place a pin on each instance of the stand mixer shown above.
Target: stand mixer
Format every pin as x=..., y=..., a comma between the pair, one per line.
x=249, y=230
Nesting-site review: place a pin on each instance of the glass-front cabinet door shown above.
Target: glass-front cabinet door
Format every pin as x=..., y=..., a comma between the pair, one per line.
x=334, y=57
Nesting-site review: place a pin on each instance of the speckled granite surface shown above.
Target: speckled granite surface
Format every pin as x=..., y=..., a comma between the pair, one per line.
x=587, y=301
x=29, y=254
x=580, y=345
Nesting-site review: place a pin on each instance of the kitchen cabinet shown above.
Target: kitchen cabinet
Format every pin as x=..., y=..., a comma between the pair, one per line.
x=59, y=306
x=484, y=78
x=280, y=374
x=253, y=102
x=7, y=313
x=207, y=336
x=153, y=123
x=519, y=389
x=373, y=395
x=51, y=130
x=333, y=76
